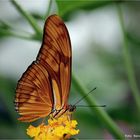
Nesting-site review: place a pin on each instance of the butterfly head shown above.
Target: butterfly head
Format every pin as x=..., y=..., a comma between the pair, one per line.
x=71, y=108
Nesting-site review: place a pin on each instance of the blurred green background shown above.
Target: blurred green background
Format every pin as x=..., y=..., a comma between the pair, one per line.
x=105, y=38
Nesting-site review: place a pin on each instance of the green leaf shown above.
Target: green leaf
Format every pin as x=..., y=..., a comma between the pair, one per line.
x=68, y=7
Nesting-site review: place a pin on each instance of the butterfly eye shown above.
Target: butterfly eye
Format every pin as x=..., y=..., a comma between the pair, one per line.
x=53, y=110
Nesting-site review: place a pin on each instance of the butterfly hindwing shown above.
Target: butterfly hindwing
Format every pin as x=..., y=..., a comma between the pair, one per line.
x=34, y=94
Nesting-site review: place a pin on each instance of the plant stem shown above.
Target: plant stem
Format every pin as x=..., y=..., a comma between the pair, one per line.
x=102, y=115
x=128, y=61
x=5, y=32
x=48, y=9
x=29, y=18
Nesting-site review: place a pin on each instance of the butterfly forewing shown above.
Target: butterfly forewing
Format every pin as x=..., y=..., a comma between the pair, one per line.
x=45, y=84
x=55, y=56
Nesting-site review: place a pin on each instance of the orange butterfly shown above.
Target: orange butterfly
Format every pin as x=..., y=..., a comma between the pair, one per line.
x=44, y=87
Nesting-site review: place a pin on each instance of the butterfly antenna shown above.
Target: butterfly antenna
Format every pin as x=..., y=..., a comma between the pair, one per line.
x=91, y=106
x=84, y=96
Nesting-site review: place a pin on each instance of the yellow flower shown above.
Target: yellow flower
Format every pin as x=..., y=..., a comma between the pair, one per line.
x=33, y=131
x=60, y=128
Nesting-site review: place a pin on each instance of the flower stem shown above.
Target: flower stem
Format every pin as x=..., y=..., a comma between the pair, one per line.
x=102, y=115
x=29, y=18
x=128, y=61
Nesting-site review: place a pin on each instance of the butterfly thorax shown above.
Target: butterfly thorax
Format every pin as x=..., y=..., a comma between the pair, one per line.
x=71, y=108
x=67, y=108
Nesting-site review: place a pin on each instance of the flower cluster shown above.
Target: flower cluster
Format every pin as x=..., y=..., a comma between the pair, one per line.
x=60, y=128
